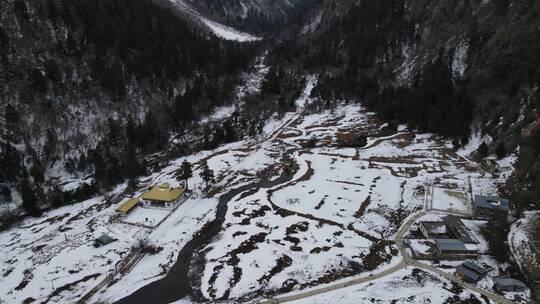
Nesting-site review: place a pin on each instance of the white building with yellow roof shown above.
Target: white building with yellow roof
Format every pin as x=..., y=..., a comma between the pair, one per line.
x=163, y=195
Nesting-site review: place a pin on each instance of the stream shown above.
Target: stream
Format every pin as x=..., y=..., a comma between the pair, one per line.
x=176, y=284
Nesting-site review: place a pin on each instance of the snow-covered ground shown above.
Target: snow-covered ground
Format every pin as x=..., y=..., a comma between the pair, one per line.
x=450, y=200
x=220, y=30
x=409, y=285
x=227, y=32
x=336, y=216
x=148, y=216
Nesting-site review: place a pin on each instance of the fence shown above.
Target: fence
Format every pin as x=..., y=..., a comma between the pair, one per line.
x=126, y=264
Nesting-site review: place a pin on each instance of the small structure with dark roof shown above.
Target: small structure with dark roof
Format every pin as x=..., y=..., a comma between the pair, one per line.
x=490, y=207
x=103, y=240
x=471, y=272
x=509, y=284
x=433, y=230
x=451, y=249
x=421, y=249
x=458, y=229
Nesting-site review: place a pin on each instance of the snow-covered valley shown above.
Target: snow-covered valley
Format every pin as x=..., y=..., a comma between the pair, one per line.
x=302, y=210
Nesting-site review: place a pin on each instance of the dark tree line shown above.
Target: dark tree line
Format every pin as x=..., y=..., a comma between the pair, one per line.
x=102, y=49
x=435, y=101
x=124, y=38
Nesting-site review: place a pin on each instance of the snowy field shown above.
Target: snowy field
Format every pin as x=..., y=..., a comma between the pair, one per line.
x=147, y=216
x=310, y=216
x=451, y=201
x=409, y=285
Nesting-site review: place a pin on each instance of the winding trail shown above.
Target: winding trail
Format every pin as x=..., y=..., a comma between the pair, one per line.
x=176, y=284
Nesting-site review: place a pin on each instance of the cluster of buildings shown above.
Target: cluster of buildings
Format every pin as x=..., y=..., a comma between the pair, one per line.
x=163, y=196
x=450, y=239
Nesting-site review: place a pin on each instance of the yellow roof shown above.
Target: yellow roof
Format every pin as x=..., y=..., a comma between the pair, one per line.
x=163, y=193
x=128, y=205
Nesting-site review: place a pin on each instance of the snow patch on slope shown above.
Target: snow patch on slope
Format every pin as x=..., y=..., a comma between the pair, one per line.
x=218, y=29
x=228, y=33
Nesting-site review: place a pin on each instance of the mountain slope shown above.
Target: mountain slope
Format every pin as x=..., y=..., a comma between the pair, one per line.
x=439, y=66
x=220, y=30
x=254, y=16
x=75, y=76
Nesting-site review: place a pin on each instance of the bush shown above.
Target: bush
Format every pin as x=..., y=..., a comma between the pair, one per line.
x=351, y=140
x=500, y=151
x=145, y=246
x=310, y=143
x=483, y=150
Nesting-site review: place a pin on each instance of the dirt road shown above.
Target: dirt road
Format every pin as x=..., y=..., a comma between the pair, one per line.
x=407, y=261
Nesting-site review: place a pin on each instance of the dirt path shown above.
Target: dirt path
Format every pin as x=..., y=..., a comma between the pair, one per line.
x=407, y=261
x=177, y=284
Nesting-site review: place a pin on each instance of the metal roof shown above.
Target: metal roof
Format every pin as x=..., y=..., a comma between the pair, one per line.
x=104, y=239
x=469, y=273
x=491, y=202
x=458, y=229
x=504, y=282
x=128, y=205
x=163, y=193
x=450, y=245
x=434, y=227
x=475, y=267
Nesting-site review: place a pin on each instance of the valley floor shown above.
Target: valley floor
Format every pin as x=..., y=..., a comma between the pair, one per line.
x=326, y=213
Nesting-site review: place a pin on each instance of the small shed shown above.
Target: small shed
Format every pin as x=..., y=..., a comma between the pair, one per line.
x=127, y=206
x=103, y=240
x=509, y=284
x=471, y=272
x=468, y=275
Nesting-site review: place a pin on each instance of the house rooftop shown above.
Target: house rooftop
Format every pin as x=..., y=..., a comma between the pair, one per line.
x=469, y=273
x=163, y=193
x=128, y=205
x=506, y=282
x=458, y=229
x=450, y=245
x=433, y=227
x=491, y=202
x=475, y=267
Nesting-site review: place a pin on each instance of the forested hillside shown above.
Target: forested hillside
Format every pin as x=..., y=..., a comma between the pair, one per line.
x=91, y=86
x=453, y=68
x=255, y=16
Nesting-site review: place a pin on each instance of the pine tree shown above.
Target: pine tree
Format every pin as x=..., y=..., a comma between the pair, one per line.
x=56, y=197
x=6, y=194
x=10, y=162
x=29, y=199
x=50, y=145
x=500, y=150
x=36, y=171
x=132, y=166
x=483, y=150
x=207, y=175
x=187, y=172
